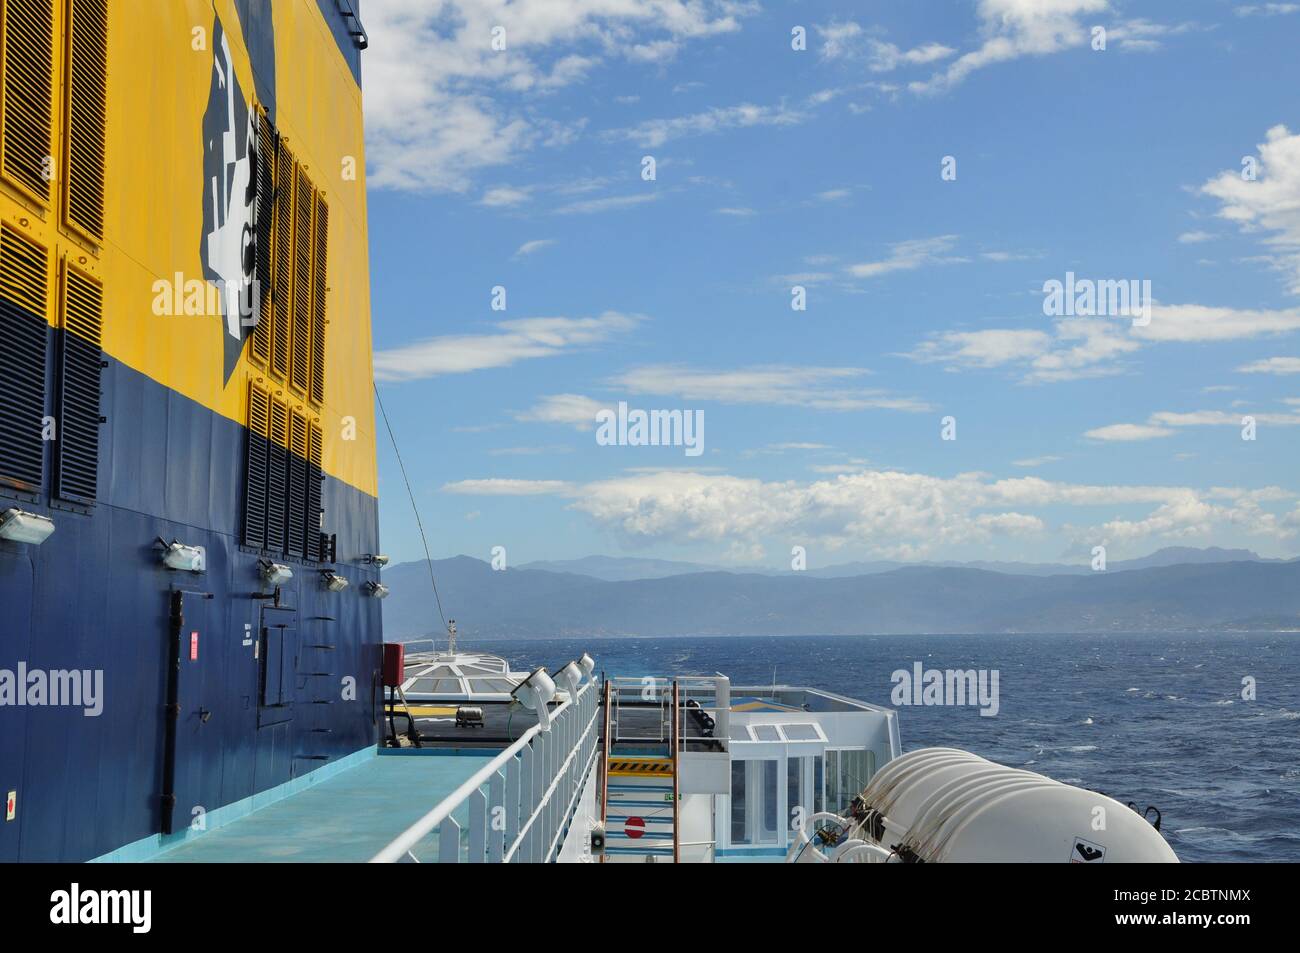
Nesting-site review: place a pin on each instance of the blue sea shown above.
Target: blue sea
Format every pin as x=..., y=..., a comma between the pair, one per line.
x=1153, y=719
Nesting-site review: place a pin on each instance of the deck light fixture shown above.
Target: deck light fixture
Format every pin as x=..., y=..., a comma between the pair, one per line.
x=377, y=559
x=177, y=555
x=588, y=665
x=535, y=693
x=376, y=589
x=570, y=677
x=19, y=526
x=333, y=581
x=275, y=574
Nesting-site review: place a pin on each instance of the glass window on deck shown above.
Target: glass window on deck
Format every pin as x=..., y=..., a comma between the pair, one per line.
x=770, y=827
x=739, y=829
x=847, y=772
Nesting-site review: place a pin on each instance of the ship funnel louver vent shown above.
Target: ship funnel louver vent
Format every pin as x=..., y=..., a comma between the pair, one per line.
x=80, y=366
x=24, y=284
x=259, y=422
x=27, y=105
x=304, y=206
x=266, y=147
x=87, y=66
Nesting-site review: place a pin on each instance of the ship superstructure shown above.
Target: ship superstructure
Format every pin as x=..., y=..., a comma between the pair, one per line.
x=188, y=514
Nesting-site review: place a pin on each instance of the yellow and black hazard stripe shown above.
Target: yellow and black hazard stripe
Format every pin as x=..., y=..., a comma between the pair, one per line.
x=641, y=767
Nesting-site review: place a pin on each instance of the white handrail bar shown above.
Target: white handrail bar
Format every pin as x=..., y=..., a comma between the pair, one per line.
x=405, y=841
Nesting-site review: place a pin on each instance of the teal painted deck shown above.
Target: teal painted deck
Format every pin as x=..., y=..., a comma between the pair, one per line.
x=346, y=818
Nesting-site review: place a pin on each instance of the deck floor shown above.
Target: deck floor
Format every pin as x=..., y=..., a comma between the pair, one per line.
x=346, y=818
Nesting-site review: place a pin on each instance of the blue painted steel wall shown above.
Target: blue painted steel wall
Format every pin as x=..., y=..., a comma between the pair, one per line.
x=96, y=596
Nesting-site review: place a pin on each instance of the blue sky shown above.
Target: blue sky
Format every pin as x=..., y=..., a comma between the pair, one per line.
x=821, y=168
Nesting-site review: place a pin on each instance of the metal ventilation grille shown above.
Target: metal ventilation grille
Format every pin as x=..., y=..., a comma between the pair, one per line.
x=312, y=527
x=23, y=334
x=27, y=104
x=320, y=286
x=303, y=206
x=284, y=166
x=297, y=484
x=255, y=477
x=276, y=477
x=87, y=66
x=24, y=272
x=80, y=364
x=261, y=337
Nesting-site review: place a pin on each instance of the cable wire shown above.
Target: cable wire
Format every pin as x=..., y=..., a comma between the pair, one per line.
x=411, y=493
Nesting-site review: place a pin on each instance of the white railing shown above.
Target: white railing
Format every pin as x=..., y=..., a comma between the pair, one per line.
x=532, y=792
x=433, y=646
x=711, y=693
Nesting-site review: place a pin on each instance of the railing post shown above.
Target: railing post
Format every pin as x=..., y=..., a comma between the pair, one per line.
x=496, y=834
x=449, y=842
x=477, y=827
x=526, y=777
x=512, y=803
x=538, y=789
x=676, y=751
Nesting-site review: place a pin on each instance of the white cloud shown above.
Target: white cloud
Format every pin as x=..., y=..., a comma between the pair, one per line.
x=655, y=132
x=817, y=388
x=575, y=410
x=504, y=196
x=1220, y=418
x=1003, y=256
x=1272, y=365
x=805, y=278
x=1192, y=238
x=1085, y=347
x=738, y=212
x=1075, y=348
x=1144, y=36
x=1268, y=206
x=1031, y=462
x=501, y=487
x=517, y=340
x=536, y=245
x=778, y=449
x=839, y=38
x=991, y=348
x=1267, y=9
x=1196, y=322
x=909, y=255
x=848, y=40
x=1160, y=423
x=1128, y=432
x=441, y=104
x=611, y=203
x=892, y=513
x=1016, y=28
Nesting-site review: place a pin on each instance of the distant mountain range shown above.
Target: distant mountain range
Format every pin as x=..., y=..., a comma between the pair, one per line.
x=623, y=568
x=1170, y=590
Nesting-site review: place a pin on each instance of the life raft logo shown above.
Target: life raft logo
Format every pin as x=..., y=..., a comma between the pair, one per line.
x=75, y=906
x=1086, y=852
